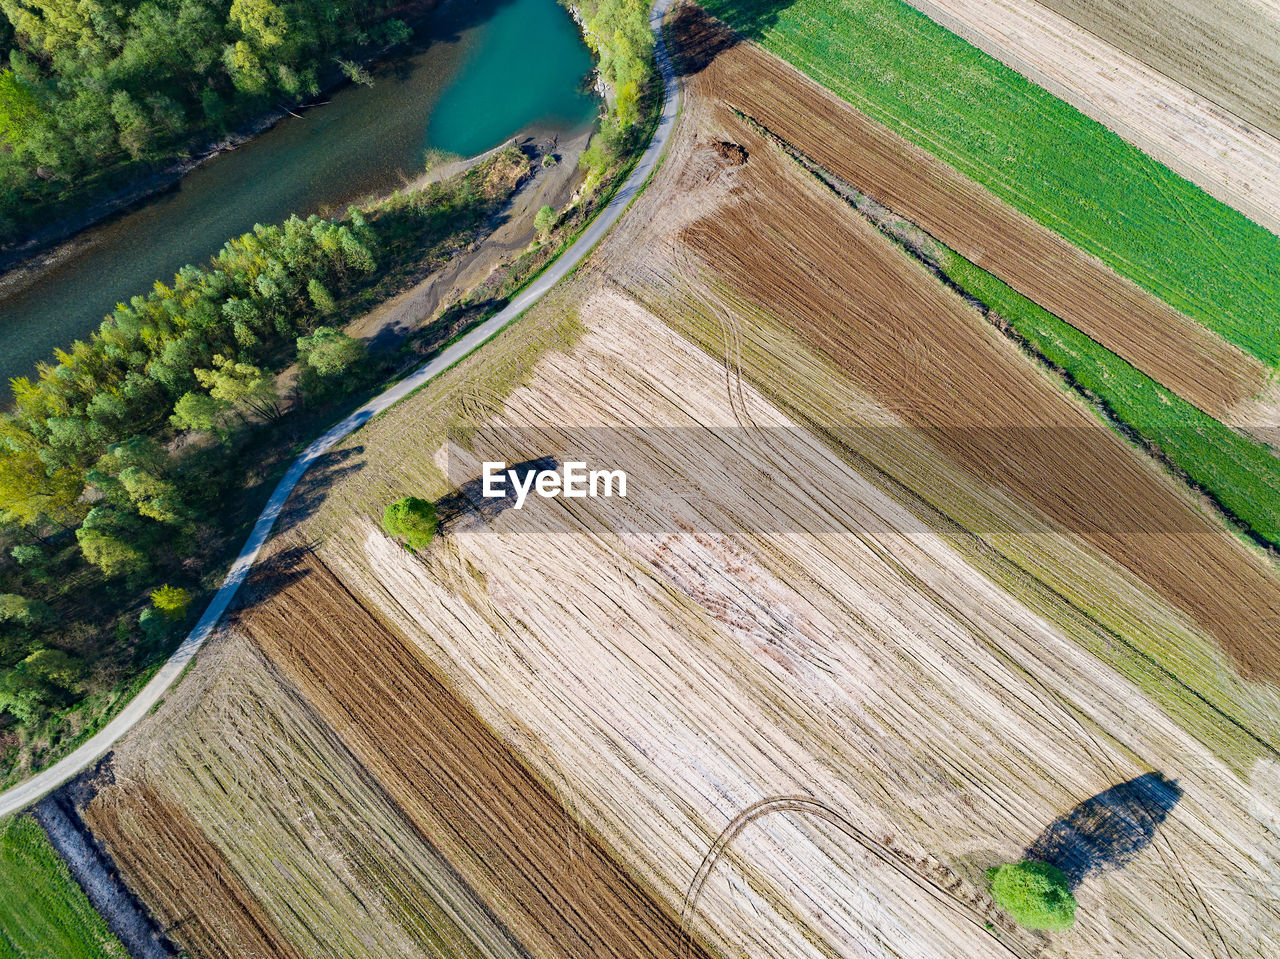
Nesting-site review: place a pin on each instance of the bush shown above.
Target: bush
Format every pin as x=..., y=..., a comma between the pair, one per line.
x=1036, y=895
x=545, y=221
x=172, y=601
x=411, y=520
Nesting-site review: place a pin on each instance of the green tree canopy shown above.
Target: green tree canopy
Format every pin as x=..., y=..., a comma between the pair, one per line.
x=171, y=601
x=1036, y=895
x=411, y=520
x=330, y=352
x=544, y=221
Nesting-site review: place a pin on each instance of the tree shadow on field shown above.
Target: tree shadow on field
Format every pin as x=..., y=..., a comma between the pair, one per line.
x=467, y=506
x=698, y=37
x=272, y=574
x=316, y=483
x=1108, y=830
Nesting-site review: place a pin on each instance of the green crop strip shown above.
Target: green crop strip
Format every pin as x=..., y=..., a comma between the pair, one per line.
x=44, y=914
x=1241, y=474
x=1036, y=153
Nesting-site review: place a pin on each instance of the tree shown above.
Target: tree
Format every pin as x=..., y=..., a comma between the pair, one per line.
x=171, y=601
x=544, y=221
x=30, y=489
x=330, y=352
x=1036, y=895
x=27, y=613
x=107, y=540
x=18, y=108
x=242, y=386
x=412, y=520
x=44, y=679
x=321, y=296
x=200, y=411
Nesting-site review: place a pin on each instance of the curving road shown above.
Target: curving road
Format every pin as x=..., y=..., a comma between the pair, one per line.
x=25, y=793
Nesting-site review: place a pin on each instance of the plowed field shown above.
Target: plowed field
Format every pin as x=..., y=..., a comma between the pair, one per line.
x=501, y=830
x=1227, y=50
x=1235, y=161
x=1166, y=345
x=846, y=290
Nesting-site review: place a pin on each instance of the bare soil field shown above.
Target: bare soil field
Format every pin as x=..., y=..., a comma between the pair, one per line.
x=1166, y=345
x=884, y=607
x=503, y=832
x=1225, y=50
x=169, y=858
x=782, y=633
x=250, y=830
x=916, y=347
x=1229, y=158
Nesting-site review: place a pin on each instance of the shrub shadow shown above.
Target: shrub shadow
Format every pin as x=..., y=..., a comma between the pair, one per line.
x=1109, y=829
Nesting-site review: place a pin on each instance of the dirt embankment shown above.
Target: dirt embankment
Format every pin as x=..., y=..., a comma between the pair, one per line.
x=557, y=889
x=550, y=185
x=1166, y=345
x=918, y=348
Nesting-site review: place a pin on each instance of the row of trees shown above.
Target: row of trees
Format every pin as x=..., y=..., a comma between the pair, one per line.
x=123, y=463
x=88, y=85
x=617, y=31
x=122, y=445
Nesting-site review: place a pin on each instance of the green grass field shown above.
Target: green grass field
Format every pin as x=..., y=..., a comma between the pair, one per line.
x=1240, y=473
x=44, y=914
x=1036, y=152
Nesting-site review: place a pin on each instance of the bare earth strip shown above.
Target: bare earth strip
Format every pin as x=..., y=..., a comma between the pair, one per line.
x=250, y=829
x=1227, y=157
x=1226, y=50
x=801, y=256
x=1169, y=347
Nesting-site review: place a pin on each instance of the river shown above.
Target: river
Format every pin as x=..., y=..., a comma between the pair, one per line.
x=475, y=73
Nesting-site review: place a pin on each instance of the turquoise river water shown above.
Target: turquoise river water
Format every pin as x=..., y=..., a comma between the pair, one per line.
x=475, y=73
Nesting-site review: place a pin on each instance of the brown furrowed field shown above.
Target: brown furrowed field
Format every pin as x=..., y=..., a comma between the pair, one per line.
x=786, y=634
x=1234, y=160
x=1166, y=345
x=1226, y=50
x=238, y=787
x=916, y=347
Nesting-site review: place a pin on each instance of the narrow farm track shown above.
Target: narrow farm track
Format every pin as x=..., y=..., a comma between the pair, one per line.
x=809, y=806
x=1168, y=346
x=25, y=793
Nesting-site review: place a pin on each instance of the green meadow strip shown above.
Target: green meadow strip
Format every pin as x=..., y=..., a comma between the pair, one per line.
x=44, y=914
x=1036, y=153
x=1239, y=473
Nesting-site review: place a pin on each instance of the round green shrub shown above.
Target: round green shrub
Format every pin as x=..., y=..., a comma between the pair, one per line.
x=1036, y=895
x=412, y=521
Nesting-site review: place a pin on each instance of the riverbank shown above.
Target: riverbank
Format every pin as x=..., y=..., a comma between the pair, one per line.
x=554, y=185
x=427, y=99
x=55, y=241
